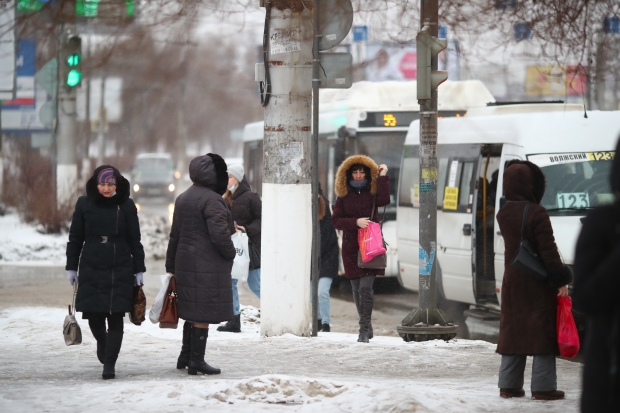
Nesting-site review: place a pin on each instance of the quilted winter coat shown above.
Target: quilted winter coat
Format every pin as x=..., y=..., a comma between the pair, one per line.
x=200, y=251
x=353, y=204
x=529, y=307
x=104, y=247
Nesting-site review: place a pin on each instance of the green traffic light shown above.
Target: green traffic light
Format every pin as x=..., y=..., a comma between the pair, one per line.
x=73, y=60
x=74, y=77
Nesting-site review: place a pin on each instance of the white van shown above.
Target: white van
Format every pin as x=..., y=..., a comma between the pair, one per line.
x=575, y=153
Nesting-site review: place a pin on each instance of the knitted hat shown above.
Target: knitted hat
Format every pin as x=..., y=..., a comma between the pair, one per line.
x=236, y=170
x=106, y=176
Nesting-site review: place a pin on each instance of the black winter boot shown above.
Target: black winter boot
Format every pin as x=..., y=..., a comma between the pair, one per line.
x=325, y=328
x=100, y=335
x=186, y=348
x=197, y=361
x=233, y=326
x=366, y=304
x=356, y=299
x=112, y=348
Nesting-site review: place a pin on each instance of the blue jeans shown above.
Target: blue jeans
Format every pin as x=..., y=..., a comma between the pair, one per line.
x=254, y=281
x=236, y=307
x=325, y=284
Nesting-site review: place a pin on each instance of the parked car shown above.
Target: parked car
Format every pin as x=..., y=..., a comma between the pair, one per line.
x=154, y=175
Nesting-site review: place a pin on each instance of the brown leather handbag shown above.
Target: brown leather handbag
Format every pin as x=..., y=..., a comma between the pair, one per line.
x=169, y=317
x=136, y=316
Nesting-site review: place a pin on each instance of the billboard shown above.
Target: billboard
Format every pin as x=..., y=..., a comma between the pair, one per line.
x=7, y=49
x=555, y=80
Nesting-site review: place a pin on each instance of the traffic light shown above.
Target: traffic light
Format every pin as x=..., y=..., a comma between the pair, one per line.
x=71, y=61
x=427, y=48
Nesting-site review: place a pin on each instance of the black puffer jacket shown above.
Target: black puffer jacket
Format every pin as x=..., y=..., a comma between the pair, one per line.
x=247, y=211
x=104, y=247
x=200, y=251
x=597, y=282
x=330, y=252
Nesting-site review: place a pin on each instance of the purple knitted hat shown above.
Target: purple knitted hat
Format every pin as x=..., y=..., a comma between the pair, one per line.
x=106, y=176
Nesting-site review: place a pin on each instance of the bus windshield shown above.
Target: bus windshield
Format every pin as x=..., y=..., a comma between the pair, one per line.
x=576, y=182
x=383, y=148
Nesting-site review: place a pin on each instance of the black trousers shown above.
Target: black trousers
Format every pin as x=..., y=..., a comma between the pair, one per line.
x=97, y=321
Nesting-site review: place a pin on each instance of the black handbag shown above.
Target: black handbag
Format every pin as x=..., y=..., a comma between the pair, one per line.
x=380, y=261
x=527, y=258
x=254, y=255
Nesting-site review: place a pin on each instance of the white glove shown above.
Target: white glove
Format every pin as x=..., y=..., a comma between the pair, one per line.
x=139, y=279
x=72, y=276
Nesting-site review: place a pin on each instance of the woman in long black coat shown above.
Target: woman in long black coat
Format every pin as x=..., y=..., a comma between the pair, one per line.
x=200, y=255
x=359, y=181
x=106, y=258
x=597, y=282
x=328, y=263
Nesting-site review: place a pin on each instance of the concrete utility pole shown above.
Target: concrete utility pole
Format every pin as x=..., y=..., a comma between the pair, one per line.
x=316, y=233
x=102, y=122
x=66, y=137
x=428, y=322
x=287, y=224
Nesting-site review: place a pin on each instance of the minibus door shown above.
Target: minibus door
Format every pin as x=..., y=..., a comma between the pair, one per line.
x=454, y=231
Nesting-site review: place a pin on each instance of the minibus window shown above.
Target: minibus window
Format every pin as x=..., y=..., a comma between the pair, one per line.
x=465, y=187
x=410, y=177
x=576, y=182
x=442, y=165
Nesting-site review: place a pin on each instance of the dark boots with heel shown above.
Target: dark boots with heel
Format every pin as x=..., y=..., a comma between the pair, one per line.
x=356, y=299
x=186, y=348
x=197, y=362
x=112, y=348
x=100, y=335
x=365, y=312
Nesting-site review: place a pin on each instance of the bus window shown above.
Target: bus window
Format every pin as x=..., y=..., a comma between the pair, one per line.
x=465, y=186
x=442, y=165
x=410, y=178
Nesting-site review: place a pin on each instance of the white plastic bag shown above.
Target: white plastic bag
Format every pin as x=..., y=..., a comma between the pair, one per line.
x=159, y=300
x=241, y=266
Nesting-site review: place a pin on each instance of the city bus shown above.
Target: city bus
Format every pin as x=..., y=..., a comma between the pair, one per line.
x=370, y=118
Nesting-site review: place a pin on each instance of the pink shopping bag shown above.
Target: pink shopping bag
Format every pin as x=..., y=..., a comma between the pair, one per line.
x=568, y=338
x=370, y=241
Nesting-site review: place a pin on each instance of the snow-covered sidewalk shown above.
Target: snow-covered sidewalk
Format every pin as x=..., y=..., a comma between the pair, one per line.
x=331, y=373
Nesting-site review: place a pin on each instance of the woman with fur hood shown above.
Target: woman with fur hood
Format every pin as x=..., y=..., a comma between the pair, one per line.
x=360, y=183
x=106, y=258
x=200, y=255
x=528, y=315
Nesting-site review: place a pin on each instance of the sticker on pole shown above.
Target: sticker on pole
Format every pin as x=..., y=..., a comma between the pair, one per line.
x=426, y=262
x=451, y=198
x=285, y=41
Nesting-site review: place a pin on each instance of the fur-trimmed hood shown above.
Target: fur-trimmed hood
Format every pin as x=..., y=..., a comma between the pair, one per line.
x=209, y=170
x=122, y=188
x=342, y=186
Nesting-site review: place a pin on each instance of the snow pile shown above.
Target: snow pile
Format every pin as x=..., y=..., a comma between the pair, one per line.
x=250, y=316
x=22, y=243
x=277, y=389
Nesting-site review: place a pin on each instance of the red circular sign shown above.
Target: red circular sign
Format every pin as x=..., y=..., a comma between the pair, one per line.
x=408, y=65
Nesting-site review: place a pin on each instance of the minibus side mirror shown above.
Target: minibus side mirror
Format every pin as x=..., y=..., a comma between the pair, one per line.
x=502, y=202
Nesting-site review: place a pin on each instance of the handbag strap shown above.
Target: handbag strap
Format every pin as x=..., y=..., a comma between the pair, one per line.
x=524, y=219
x=72, y=307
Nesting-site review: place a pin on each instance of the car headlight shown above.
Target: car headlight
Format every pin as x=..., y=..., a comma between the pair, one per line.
x=136, y=187
x=171, y=187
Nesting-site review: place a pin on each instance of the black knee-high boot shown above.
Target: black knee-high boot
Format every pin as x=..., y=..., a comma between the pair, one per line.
x=112, y=348
x=100, y=334
x=197, y=360
x=186, y=348
x=366, y=304
x=357, y=300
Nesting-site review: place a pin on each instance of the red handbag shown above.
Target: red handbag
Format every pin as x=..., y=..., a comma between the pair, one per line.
x=169, y=317
x=568, y=338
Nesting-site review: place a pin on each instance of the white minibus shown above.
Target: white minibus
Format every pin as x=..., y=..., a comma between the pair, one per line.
x=573, y=149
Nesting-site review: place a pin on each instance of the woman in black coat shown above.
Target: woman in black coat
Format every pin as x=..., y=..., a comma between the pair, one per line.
x=597, y=282
x=328, y=262
x=200, y=255
x=106, y=258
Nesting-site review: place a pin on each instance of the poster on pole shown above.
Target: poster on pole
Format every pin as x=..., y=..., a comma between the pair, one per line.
x=7, y=49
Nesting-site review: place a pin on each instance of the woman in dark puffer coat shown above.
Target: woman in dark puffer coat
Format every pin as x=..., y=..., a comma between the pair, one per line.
x=597, y=282
x=200, y=255
x=104, y=249
x=359, y=181
x=529, y=307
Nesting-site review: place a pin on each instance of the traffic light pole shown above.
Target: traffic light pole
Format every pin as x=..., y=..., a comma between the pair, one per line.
x=287, y=225
x=427, y=322
x=316, y=233
x=66, y=142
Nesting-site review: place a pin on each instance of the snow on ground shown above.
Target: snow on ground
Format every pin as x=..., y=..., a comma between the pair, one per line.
x=330, y=373
x=22, y=244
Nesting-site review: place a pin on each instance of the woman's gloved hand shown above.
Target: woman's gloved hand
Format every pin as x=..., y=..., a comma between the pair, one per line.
x=139, y=279
x=72, y=276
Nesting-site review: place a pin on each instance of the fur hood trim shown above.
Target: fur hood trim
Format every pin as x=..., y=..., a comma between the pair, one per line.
x=342, y=187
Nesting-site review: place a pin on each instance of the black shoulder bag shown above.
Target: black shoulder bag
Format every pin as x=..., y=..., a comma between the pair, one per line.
x=527, y=258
